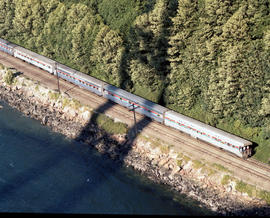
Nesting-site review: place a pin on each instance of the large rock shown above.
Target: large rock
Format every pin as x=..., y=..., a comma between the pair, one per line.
x=86, y=116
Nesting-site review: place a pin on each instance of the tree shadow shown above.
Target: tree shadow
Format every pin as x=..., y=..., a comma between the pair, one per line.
x=104, y=142
x=154, y=55
x=252, y=211
x=39, y=167
x=108, y=147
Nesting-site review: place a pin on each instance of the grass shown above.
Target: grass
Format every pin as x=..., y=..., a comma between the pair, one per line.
x=186, y=158
x=165, y=149
x=264, y=195
x=226, y=179
x=54, y=95
x=37, y=88
x=244, y=187
x=220, y=167
x=197, y=164
x=2, y=67
x=208, y=170
x=252, y=191
x=179, y=163
x=75, y=104
x=154, y=142
x=110, y=126
x=65, y=102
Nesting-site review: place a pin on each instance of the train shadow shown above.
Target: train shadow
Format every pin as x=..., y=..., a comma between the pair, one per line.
x=17, y=73
x=253, y=148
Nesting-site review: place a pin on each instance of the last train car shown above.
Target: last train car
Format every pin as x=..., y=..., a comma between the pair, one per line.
x=7, y=47
x=141, y=105
x=202, y=131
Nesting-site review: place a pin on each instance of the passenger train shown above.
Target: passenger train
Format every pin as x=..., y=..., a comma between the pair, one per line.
x=196, y=129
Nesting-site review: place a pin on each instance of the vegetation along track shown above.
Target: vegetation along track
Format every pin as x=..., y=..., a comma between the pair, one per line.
x=252, y=171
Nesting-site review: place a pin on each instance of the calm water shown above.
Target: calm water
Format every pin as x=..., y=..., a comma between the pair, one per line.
x=43, y=172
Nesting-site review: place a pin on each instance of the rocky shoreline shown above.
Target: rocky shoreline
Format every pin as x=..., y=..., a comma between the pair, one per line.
x=159, y=167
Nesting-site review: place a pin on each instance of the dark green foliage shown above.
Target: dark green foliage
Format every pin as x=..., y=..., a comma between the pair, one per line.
x=107, y=55
x=208, y=59
x=6, y=16
x=119, y=14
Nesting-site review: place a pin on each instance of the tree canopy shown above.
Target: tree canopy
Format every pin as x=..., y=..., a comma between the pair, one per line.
x=208, y=59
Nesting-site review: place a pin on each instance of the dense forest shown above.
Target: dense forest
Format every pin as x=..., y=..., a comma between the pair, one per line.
x=208, y=59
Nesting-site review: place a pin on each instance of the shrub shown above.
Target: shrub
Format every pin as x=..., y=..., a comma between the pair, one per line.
x=265, y=195
x=54, y=95
x=110, y=126
x=197, y=164
x=265, y=134
x=165, y=149
x=2, y=67
x=9, y=77
x=179, y=163
x=243, y=187
x=225, y=180
x=220, y=167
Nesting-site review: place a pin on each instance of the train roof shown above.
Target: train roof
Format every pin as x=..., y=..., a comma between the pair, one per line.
x=135, y=98
x=210, y=128
x=89, y=78
x=7, y=43
x=80, y=74
x=35, y=55
x=64, y=67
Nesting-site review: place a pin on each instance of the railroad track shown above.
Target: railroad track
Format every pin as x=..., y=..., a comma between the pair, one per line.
x=254, y=171
x=259, y=164
x=261, y=170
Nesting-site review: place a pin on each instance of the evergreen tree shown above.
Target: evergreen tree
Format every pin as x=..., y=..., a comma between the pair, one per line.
x=83, y=36
x=182, y=87
x=107, y=55
x=28, y=21
x=148, y=52
x=6, y=16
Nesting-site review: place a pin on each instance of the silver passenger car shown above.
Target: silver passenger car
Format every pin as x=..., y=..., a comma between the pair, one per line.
x=129, y=100
x=80, y=79
x=35, y=59
x=66, y=72
x=90, y=83
x=220, y=138
x=7, y=47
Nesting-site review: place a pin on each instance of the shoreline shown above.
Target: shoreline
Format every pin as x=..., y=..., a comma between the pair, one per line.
x=158, y=166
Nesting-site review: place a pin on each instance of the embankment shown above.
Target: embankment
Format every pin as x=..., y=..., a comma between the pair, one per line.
x=210, y=184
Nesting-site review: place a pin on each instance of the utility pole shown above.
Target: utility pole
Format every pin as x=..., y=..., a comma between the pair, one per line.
x=135, y=124
x=57, y=78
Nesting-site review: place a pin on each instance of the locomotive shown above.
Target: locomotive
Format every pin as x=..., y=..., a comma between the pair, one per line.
x=167, y=117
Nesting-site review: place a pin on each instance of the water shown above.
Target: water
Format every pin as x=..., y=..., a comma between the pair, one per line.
x=44, y=172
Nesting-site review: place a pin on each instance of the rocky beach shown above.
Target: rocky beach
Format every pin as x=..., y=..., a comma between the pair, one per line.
x=158, y=162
